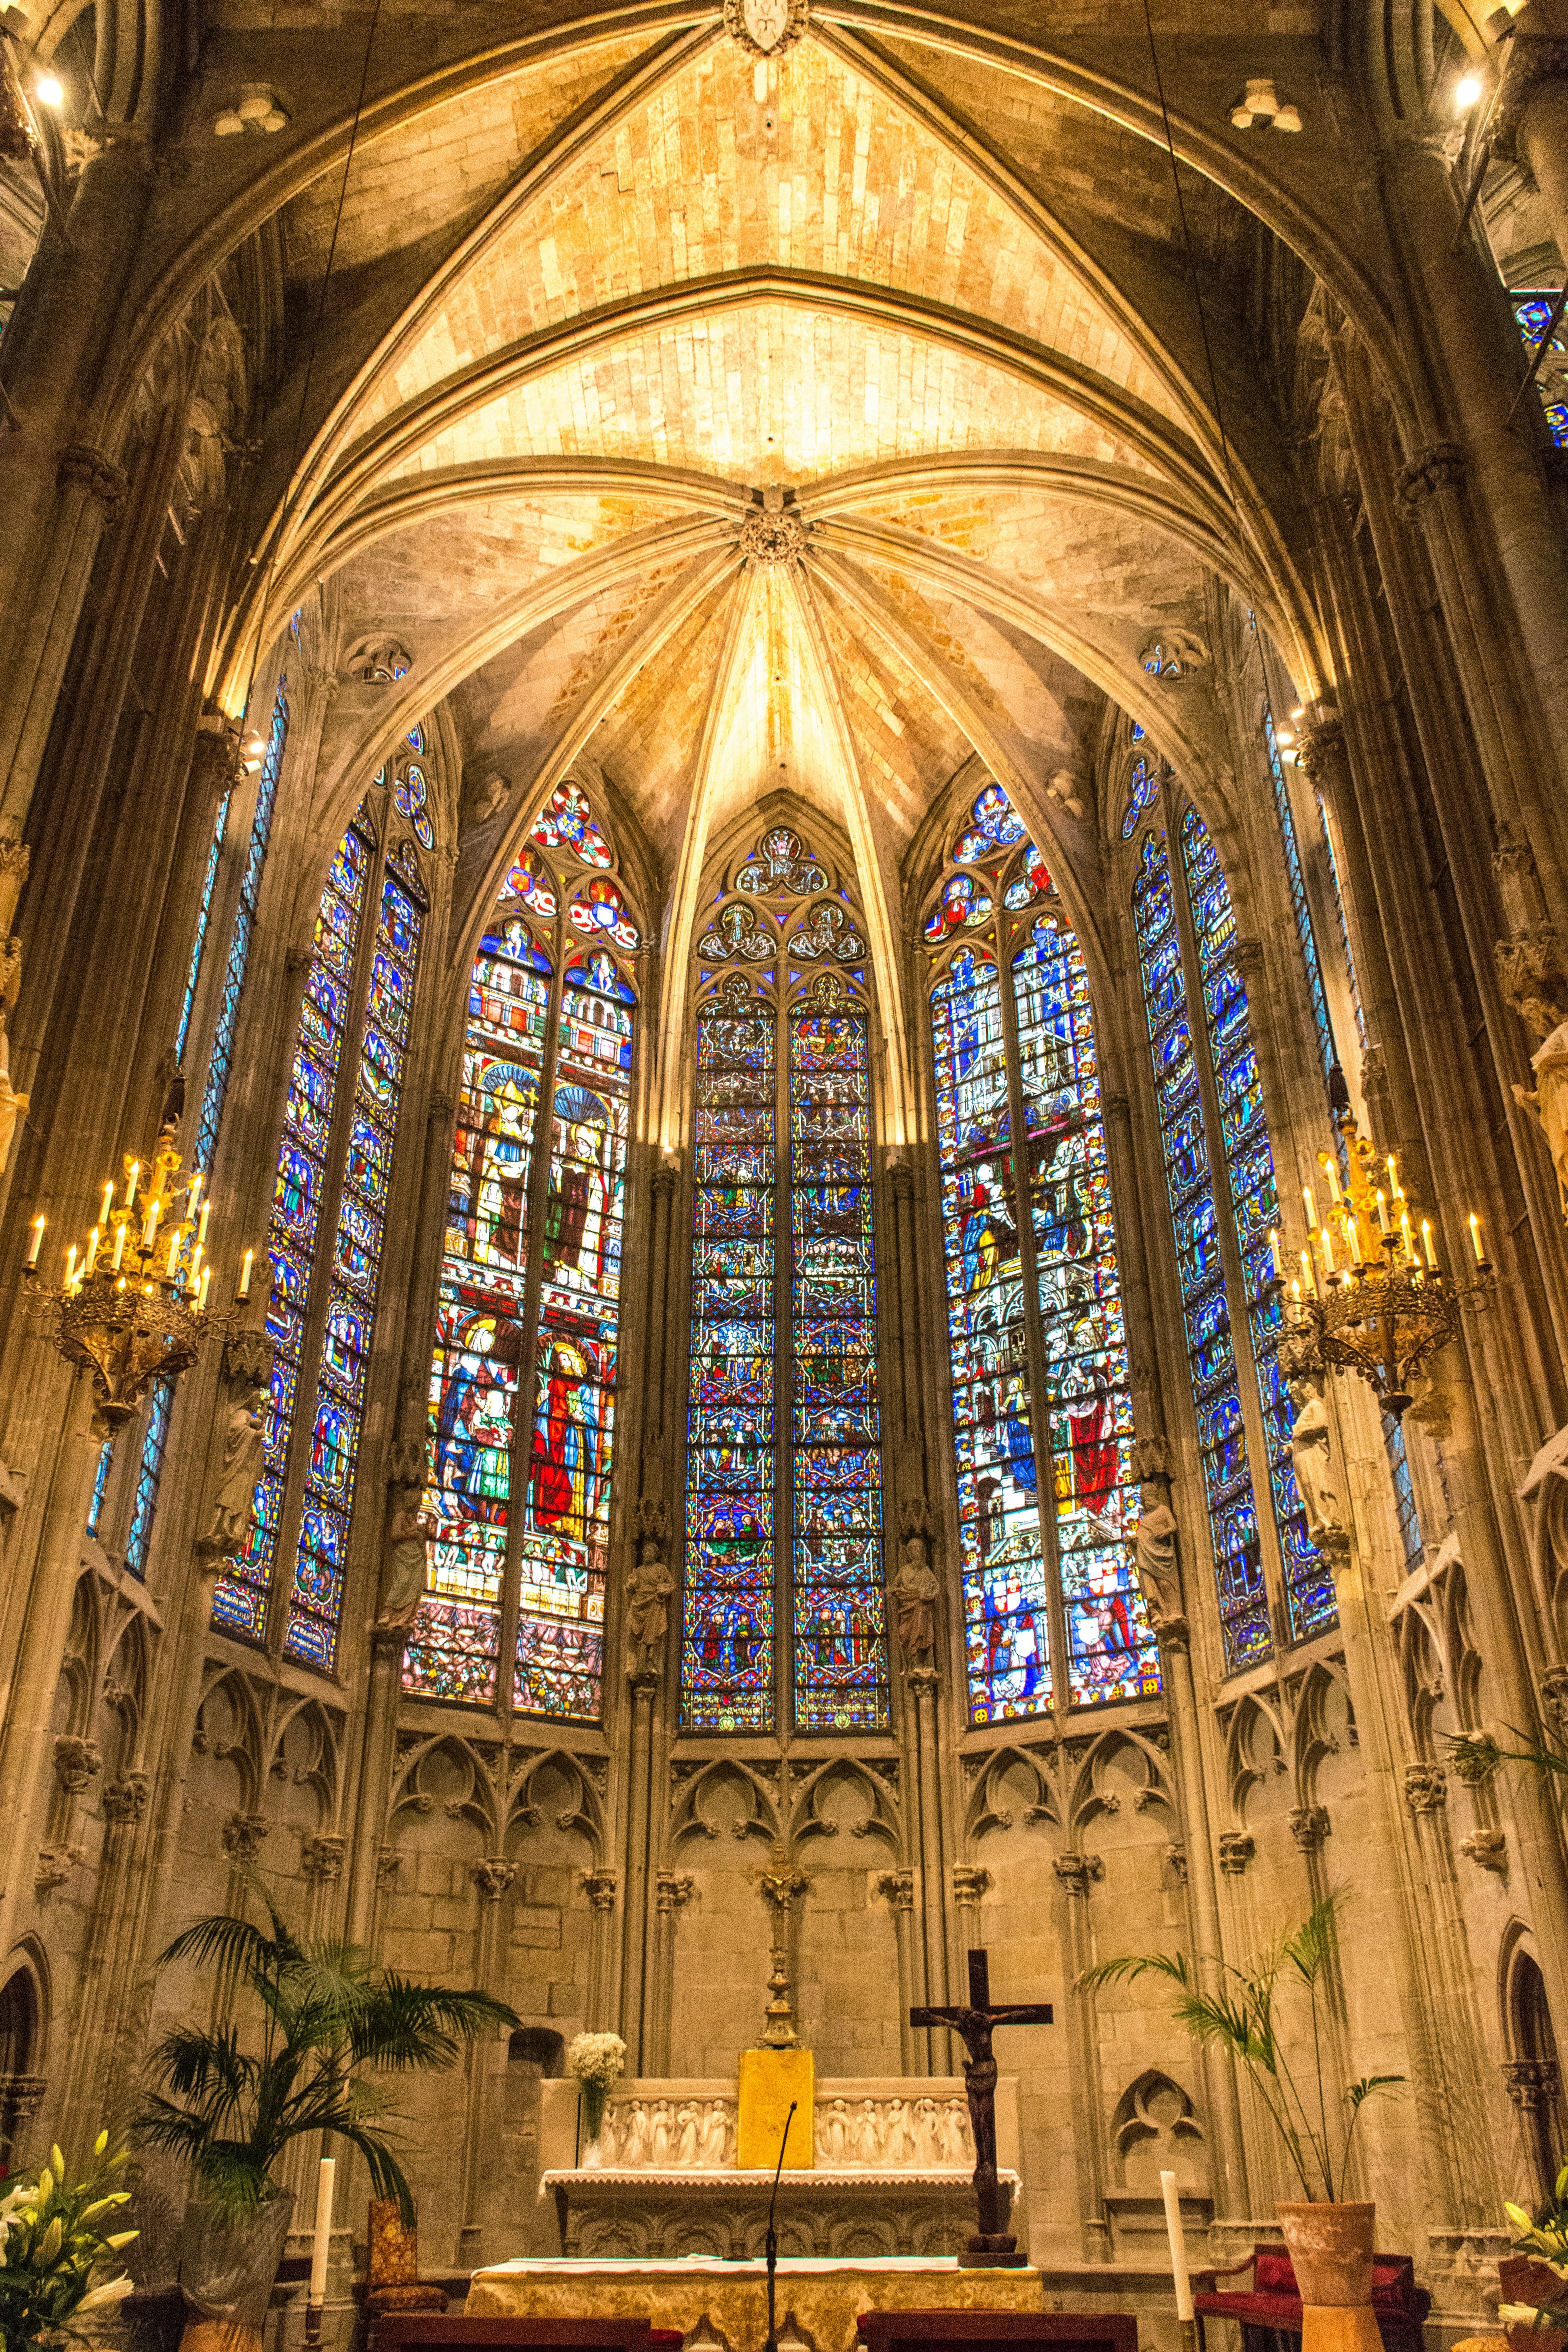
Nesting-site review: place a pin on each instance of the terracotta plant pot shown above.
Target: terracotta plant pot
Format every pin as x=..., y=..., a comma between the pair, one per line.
x=1331, y=2251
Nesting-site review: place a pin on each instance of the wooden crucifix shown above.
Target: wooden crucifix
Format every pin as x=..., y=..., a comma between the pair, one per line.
x=991, y=2248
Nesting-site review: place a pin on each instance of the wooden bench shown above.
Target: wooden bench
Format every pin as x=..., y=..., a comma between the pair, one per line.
x=990, y=2331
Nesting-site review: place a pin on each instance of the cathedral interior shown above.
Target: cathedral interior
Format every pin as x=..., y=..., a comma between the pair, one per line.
x=778, y=781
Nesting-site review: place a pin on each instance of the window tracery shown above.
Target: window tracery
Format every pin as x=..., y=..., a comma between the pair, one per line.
x=1036, y=1341
x=522, y=1384
x=325, y=1235
x=784, y=1426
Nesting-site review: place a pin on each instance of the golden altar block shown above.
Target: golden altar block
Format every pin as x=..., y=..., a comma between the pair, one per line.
x=724, y=2305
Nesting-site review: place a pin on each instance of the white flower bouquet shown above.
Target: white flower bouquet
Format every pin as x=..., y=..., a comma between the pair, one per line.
x=598, y=2060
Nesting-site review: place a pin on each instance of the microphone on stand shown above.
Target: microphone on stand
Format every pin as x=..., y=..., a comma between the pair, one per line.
x=773, y=2236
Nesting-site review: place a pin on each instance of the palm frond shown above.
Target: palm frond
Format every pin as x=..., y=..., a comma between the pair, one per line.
x=1310, y=1950
x=235, y=1947
x=1136, y=1964
x=404, y=2024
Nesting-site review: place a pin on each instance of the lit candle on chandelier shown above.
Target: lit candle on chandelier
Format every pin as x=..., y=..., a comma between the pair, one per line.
x=92, y=1250
x=202, y=1293
x=174, y=1252
x=1382, y=1215
x=1405, y=1242
x=1312, y=1208
x=1326, y=1162
x=150, y=1226
x=1309, y=1275
x=1327, y=1248
x=131, y=1183
x=108, y=1203
x=1275, y=1259
x=1394, y=1179
x=70, y=1266
x=37, y=1241
x=119, y=1243
x=1476, y=1239
x=202, y=1224
x=244, y=1290
x=1426, y=1244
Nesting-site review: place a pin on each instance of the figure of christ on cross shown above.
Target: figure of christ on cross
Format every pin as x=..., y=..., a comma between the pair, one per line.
x=991, y=2248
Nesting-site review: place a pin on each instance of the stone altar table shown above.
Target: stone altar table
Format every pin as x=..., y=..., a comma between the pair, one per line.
x=893, y=2171
x=722, y=2306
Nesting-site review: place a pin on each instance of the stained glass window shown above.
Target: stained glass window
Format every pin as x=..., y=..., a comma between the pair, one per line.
x=1405, y=1507
x=1142, y=785
x=222, y=1056
x=204, y=915
x=411, y=798
x=1322, y=1026
x=99, y=1481
x=1037, y=1345
x=522, y=1383
x=353, y=1270
x=1533, y=310
x=149, y=1471
x=784, y=1499
x=727, y=1640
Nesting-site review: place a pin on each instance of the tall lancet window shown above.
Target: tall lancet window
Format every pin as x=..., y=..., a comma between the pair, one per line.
x=326, y=1231
x=1043, y=1427
x=522, y=1383
x=782, y=1610
x=1219, y=1167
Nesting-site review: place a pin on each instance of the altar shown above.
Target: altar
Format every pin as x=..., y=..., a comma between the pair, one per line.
x=722, y=2306
x=894, y=2160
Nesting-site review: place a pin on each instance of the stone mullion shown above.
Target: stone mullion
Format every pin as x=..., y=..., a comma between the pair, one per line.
x=1229, y=1248
x=1034, y=1336
x=525, y=1405
x=290, y=1515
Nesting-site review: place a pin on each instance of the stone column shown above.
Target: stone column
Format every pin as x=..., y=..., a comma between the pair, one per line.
x=672, y=1892
x=639, y=1971
x=898, y=1889
x=901, y=1183
x=932, y=1961
x=1076, y=1873
x=377, y=1752
x=599, y=1886
x=492, y=1877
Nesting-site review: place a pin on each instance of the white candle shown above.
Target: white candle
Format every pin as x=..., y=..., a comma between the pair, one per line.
x=318, y=2290
x=1178, y=2245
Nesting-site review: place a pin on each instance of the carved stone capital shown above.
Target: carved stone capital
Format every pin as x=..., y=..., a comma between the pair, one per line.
x=1532, y=2084
x=1426, y=1788
x=1320, y=742
x=971, y=1883
x=901, y=1178
x=1250, y=957
x=1532, y=972
x=323, y=1857
x=78, y=1762
x=1308, y=1826
x=1441, y=466
x=21, y=2096
x=1487, y=1849
x=493, y=1876
x=1173, y=1634
x=673, y=1890
x=441, y=1105
x=1151, y=1456
x=599, y=1886
x=388, y=1863
x=242, y=1835
x=1235, y=1850
x=1176, y=1856
x=247, y=1359
x=666, y=1176
x=80, y=469
x=125, y=1798
x=897, y=1888
x=297, y=961
x=54, y=1865
x=1077, y=1871
x=923, y=1680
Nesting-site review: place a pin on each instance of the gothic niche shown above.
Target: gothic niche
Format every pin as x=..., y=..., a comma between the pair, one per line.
x=1155, y=2129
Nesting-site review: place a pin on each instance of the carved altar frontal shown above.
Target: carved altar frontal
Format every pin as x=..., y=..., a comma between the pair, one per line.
x=894, y=2160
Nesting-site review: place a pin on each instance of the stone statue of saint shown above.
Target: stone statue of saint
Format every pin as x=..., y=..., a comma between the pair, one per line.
x=404, y=1567
x=649, y=1589
x=915, y=1588
x=12, y=1106
x=1548, y=1103
x=1156, y=1556
x=1310, y=1458
x=235, y=1496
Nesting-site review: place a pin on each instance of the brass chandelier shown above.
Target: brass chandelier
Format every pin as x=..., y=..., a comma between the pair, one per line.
x=132, y=1307
x=1371, y=1298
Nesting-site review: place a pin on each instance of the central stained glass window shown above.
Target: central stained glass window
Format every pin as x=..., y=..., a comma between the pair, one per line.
x=1043, y=1426
x=522, y=1382
x=784, y=1497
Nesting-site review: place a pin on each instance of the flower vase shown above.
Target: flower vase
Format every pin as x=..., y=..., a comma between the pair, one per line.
x=1330, y=2252
x=595, y=2107
x=228, y=2265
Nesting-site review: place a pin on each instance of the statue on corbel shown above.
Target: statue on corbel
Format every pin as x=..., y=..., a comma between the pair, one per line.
x=1155, y=1542
x=406, y=1548
x=649, y=1587
x=14, y=859
x=1310, y=1449
x=915, y=1591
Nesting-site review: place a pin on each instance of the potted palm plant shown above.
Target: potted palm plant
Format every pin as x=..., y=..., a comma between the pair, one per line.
x=327, y=2022
x=1329, y=2238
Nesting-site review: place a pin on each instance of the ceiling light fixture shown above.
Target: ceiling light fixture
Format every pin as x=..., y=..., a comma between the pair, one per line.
x=51, y=90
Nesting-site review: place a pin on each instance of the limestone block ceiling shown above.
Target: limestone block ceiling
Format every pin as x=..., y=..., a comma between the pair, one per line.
x=821, y=420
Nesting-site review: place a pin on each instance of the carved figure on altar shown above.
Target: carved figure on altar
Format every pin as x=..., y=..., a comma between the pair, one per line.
x=915, y=1590
x=1155, y=1545
x=648, y=1590
x=1310, y=1456
x=405, y=1569
x=244, y=1448
x=1548, y=1103
x=686, y=2135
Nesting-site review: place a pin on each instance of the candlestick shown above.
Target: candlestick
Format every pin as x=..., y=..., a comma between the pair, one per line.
x=202, y=1294
x=92, y=1249
x=1309, y=1277
x=1405, y=1242
x=108, y=1203
x=1312, y=1208
x=174, y=1252
x=1326, y=1162
x=1328, y=1250
x=202, y=1223
x=1476, y=1239
x=318, y=2287
x=1426, y=1244
x=119, y=1243
x=1178, y=2239
x=1382, y=1215
x=1352, y=1230
x=70, y=1266
x=135, y=1170
x=1275, y=1258
x=244, y=1292
x=150, y=1224
x=37, y=1241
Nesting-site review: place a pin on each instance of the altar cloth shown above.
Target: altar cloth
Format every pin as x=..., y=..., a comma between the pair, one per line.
x=822, y=2293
